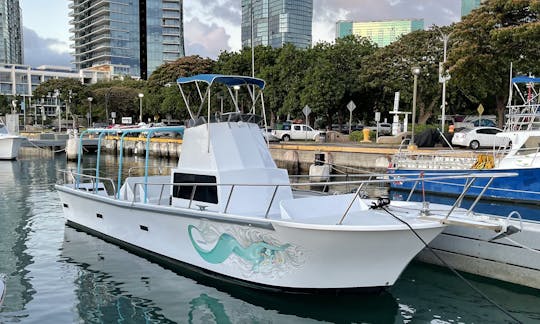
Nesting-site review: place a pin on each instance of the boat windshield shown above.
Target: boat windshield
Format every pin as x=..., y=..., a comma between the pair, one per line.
x=3, y=130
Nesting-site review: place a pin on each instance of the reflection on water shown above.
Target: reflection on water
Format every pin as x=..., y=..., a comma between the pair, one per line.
x=114, y=284
x=60, y=275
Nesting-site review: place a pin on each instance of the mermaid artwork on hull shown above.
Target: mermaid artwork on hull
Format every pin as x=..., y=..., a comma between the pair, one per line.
x=256, y=254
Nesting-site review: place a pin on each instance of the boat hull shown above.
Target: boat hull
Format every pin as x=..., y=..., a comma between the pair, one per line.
x=268, y=254
x=470, y=250
x=9, y=147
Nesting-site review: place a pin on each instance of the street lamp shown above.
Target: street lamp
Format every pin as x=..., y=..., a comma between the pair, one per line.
x=141, y=95
x=89, y=116
x=443, y=77
x=415, y=71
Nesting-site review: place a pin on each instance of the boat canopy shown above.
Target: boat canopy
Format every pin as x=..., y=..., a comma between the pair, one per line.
x=228, y=80
x=525, y=79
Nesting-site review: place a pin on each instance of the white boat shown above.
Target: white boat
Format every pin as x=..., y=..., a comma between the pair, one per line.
x=227, y=210
x=514, y=259
x=9, y=143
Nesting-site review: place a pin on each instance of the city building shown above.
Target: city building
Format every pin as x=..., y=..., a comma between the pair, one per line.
x=277, y=22
x=21, y=80
x=126, y=37
x=11, y=46
x=469, y=5
x=380, y=32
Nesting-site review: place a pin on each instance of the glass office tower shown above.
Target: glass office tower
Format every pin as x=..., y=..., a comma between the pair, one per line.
x=469, y=5
x=380, y=32
x=11, y=44
x=277, y=22
x=126, y=37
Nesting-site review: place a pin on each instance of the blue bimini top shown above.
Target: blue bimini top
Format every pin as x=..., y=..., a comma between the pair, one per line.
x=228, y=80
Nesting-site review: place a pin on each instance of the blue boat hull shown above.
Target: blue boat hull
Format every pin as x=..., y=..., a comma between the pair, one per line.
x=524, y=188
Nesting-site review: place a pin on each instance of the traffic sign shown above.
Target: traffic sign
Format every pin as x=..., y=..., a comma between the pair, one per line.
x=351, y=106
x=480, y=109
x=306, y=111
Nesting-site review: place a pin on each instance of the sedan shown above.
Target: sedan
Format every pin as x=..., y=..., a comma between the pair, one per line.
x=480, y=137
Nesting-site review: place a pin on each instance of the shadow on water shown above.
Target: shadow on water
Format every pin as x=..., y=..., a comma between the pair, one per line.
x=114, y=284
x=446, y=297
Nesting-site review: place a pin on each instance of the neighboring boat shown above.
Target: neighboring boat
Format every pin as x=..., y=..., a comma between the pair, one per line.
x=471, y=250
x=522, y=127
x=9, y=143
x=2, y=288
x=227, y=210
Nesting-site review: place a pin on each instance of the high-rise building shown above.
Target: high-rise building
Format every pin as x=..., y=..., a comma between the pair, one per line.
x=469, y=5
x=380, y=32
x=11, y=48
x=126, y=37
x=277, y=22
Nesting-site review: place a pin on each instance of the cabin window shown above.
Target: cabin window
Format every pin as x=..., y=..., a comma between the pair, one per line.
x=202, y=193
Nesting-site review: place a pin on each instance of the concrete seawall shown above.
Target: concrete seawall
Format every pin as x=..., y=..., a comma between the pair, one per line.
x=295, y=157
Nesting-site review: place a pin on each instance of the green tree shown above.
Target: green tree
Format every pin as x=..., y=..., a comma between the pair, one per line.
x=71, y=92
x=331, y=79
x=163, y=96
x=388, y=70
x=486, y=42
x=120, y=96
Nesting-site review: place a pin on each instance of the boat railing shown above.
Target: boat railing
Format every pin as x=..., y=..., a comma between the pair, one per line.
x=436, y=160
x=361, y=184
x=522, y=118
x=81, y=182
x=470, y=179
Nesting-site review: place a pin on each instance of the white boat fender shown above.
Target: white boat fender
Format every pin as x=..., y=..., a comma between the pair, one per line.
x=509, y=228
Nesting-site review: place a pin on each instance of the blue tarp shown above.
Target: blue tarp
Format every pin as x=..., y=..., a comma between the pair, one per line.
x=525, y=79
x=228, y=80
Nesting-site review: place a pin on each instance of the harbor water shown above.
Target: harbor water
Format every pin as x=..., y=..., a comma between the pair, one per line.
x=56, y=274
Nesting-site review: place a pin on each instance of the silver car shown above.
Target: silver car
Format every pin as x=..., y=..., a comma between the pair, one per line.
x=480, y=137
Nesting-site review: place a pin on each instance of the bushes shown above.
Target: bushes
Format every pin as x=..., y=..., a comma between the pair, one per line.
x=356, y=136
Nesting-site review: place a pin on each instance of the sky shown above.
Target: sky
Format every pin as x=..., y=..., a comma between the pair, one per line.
x=212, y=26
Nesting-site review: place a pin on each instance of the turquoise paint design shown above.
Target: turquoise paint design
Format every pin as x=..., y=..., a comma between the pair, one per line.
x=226, y=245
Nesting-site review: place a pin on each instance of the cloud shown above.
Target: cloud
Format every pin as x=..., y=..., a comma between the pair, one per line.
x=204, y=40
x=44, y=51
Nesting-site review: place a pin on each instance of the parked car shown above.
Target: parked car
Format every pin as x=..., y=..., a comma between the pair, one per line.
x=480, y=137
x=269, y=136
x=484, y=122
x=297, y=132
x=345, y=128
x=384, y=128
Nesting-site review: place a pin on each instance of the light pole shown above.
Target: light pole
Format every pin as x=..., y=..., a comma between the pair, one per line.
x=252, y=45
x=442, y=78
x=89, y=112
x=141, y=95
x=415, y=71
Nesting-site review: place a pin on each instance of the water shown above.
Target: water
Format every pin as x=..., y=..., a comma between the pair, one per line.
x=59, y=275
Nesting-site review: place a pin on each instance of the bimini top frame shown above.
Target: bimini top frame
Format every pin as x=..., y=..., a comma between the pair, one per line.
x=231, y=82
x=530, y=95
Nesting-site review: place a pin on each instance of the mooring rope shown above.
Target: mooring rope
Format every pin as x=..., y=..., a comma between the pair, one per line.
x=382, y=205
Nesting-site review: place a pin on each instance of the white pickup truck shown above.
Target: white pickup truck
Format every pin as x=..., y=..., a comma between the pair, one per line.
x=296, y=132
